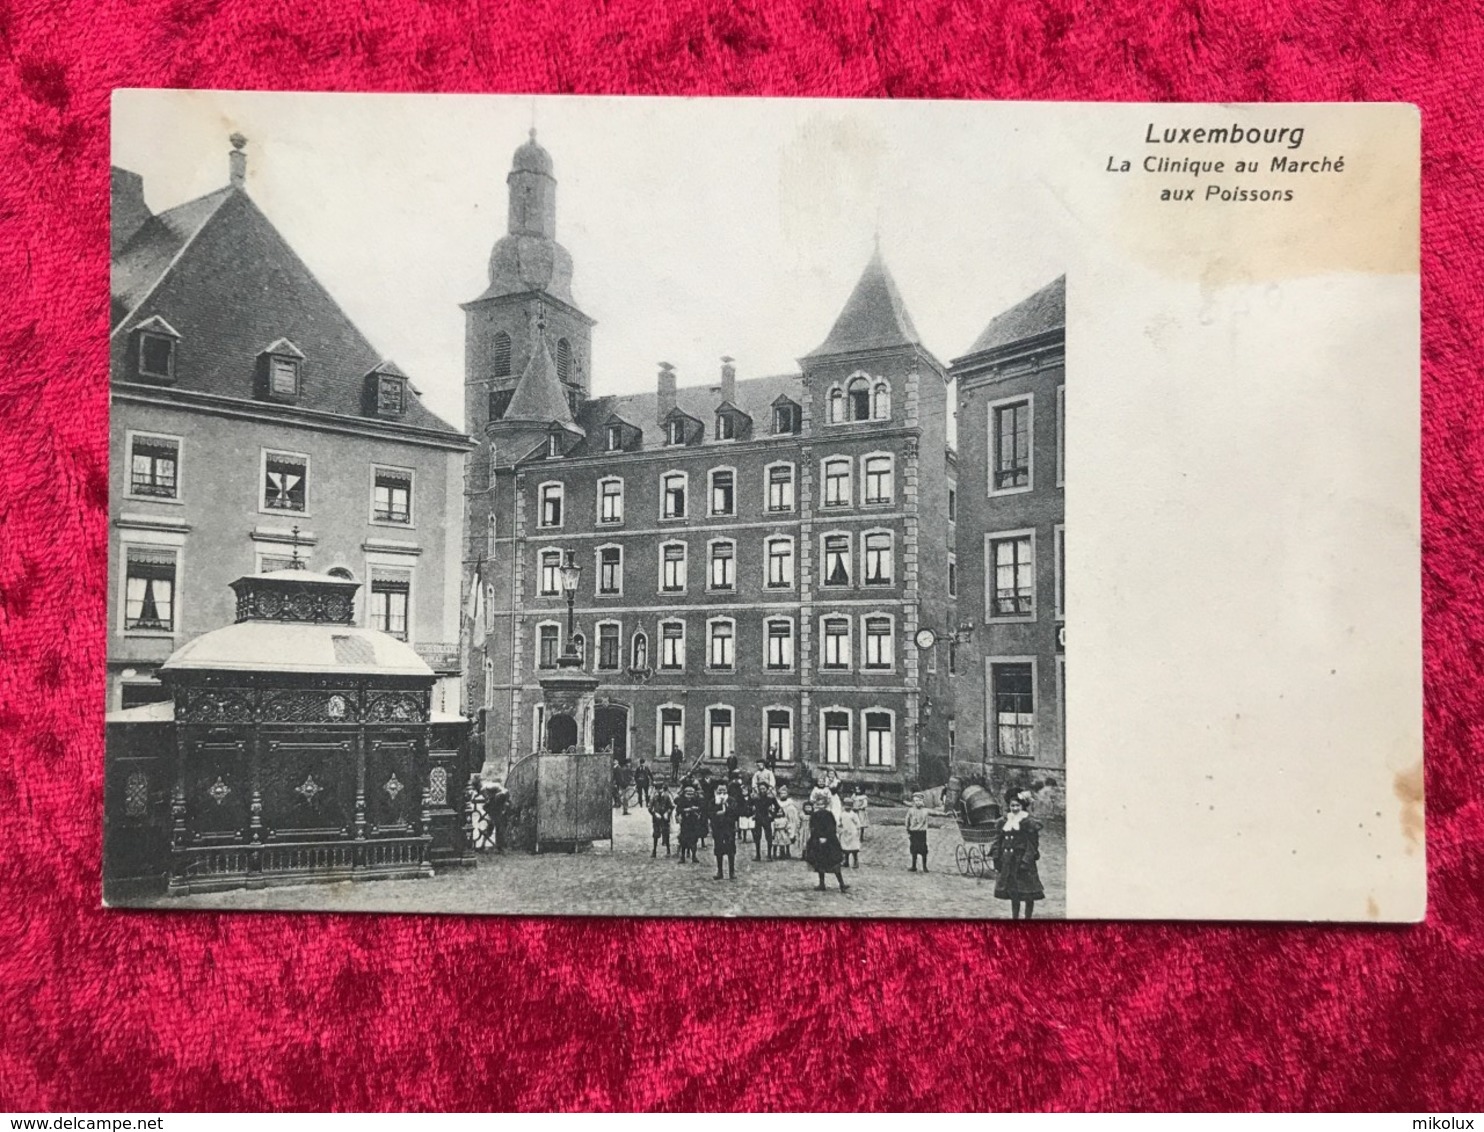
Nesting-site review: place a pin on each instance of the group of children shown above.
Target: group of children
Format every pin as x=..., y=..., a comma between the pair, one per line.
x=724, y=810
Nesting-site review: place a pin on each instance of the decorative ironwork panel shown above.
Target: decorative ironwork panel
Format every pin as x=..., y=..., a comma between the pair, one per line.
x=276, y=601
x=397, y=707
x=308, y=789
x=437, y=794
x=136, y=795
x=395, y=766
x=309, y=705
x=214, y=705
x=217, y=789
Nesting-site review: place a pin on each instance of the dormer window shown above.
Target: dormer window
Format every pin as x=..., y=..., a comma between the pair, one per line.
x=675, y=431
x=553, y=445
x=726, y=427
x=155, y=342
x=783, y=420
x=281, y=369
x=614, y=441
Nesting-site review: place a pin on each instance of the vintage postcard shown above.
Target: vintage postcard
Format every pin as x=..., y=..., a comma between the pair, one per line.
x=608, y=506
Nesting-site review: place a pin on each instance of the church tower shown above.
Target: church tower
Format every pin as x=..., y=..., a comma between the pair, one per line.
x=529, y=297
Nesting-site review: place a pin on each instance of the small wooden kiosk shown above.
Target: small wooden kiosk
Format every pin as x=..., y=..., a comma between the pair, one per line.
x=299, y=747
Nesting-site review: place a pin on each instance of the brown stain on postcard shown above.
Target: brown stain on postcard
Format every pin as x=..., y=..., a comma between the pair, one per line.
x=1407, y=785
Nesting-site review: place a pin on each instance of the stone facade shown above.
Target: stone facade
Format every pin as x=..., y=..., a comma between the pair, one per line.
x=1010, y=551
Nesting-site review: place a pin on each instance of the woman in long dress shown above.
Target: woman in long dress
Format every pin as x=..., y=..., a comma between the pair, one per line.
x=1016, y=850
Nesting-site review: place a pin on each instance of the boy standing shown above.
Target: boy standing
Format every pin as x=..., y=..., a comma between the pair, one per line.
x=692, y=821
x=917, y=831
x=660, y=807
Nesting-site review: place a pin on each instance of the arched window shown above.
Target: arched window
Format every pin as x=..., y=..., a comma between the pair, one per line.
x=564, y=359
x=837, y=406
x=859, y=395
x=502, y=354
x=881, y=402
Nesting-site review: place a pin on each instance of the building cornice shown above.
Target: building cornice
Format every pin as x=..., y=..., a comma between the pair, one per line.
x=527, y=296
x=855, y=356
x=313, y=419
x=1037, y=346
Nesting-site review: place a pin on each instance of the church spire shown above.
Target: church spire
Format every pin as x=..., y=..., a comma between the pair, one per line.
x=874, y=317
x=532, y=192
x=539, y=397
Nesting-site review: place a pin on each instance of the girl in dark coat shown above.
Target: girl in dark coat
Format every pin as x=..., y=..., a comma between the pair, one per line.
x=1016, y=851
x=724, y=816
x=692, y=823
x=823, y=851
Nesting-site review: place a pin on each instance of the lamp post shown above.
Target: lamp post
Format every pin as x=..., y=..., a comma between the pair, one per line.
x=571, y=575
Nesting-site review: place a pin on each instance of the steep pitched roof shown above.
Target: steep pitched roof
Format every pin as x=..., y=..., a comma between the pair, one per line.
x=538, y=394
x=753, y=396
x=1043, y=311
x=224, y=277
x=874, y=316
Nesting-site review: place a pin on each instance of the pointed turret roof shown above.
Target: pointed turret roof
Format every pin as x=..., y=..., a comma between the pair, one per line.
x=538, y=395
x=874, y=316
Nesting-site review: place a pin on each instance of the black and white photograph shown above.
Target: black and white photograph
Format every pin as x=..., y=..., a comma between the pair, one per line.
x=628, y=507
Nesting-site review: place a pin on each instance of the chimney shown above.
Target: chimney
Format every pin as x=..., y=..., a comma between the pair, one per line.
x=237, y=162
x=728, y=381
x=128, y=212
x=666, y=402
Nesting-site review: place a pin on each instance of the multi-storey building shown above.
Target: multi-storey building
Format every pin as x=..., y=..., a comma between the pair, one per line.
x=1010, y=547
x=253, y=423
x=757, y=555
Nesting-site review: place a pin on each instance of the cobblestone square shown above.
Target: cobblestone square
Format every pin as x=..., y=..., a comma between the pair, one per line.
x=626, y=881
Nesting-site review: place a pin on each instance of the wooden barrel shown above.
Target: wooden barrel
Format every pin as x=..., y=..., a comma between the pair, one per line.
x=979, y=805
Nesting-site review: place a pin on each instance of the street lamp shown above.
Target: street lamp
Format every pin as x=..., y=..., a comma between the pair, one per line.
x=571, y=574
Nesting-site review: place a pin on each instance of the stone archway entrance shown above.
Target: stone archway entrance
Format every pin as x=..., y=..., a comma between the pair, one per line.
x=561, y=733
x=611, y=729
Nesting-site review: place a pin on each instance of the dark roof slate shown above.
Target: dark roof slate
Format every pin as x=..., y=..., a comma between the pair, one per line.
x=1043, y=311
x=753, y=396
x=229, y=283
x=538, y=394
x=874, y=316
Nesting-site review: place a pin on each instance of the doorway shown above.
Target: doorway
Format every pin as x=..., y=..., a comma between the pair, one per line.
x=611, y=730
x=561, y=733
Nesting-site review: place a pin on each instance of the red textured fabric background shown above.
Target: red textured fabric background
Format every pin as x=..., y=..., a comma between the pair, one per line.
x=147, y=1012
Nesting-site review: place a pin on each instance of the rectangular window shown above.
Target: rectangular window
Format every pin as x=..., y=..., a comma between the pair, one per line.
x=721, y=651
x=723, y=493
x=610, y=570
x=780, y=562
x=878, y=479
x=878, y=642
x=548, y=648
x=672, y=730
x=719, y=732
x=674, y=496
x=156, y=355
x=538, y=726
x=154, y=464
x=672, y=644
x=723, y=566
x=1014, y=710
x=551, y=505
x=610, y=501
x=672, y=568
x=780, y=645
x=837, y=738
x=285, y=481
x=1013, y=577
x=1011, y=429
x=607, y=645
x=836, y=635
x=952, y=576
x=780, y=734
x=837, y=560
x=879, y=739
x=283, y=376
x=783, y=419
x=952, y=505
x=1061, y=572
x=781, y=488
x=615, y=438
x=837, y=483
x=675, y=432
x=389, y=605
x=726, y=428
x=551, y=573
x=391, y=496
x=878, y=559
x=149, y=589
